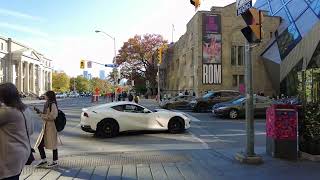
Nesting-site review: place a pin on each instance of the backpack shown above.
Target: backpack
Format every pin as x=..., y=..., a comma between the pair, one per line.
x=60, y=120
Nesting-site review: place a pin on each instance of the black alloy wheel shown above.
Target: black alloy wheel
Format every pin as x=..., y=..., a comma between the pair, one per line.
x=176, y=125
x=107, y=129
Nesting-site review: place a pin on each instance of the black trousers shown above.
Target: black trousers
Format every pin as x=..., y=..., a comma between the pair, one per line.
x=43, y=153
x=12, y=177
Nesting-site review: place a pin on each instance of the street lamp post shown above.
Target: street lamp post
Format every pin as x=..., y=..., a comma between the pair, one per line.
x=114, y=58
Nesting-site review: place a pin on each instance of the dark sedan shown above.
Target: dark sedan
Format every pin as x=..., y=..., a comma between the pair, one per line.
x=179, y=102
x=236, y=108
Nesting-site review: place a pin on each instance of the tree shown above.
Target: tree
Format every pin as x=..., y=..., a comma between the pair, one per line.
x=81, y=84
x=60, y=81
x=103, y=85
x=138, y=55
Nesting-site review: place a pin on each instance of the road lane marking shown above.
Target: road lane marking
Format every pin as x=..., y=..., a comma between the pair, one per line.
x=204, y=144
x=230, y=135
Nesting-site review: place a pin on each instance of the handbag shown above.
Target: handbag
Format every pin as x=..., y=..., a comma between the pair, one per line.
x=31, y=157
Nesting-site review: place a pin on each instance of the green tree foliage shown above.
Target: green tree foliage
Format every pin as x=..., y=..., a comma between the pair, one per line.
x=103, y=85
x=60, y=82
x=81, y=84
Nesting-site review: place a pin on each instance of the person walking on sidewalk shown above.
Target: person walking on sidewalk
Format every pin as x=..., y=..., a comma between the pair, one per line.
x=48, y=137
x=15, y=147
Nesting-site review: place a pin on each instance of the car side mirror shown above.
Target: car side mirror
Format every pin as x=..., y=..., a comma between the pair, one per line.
x=146, y=111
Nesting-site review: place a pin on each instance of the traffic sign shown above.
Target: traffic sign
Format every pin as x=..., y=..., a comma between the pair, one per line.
x=243, y=6
x=111, y=65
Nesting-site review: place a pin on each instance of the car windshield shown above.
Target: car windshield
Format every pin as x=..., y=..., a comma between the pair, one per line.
x=238, y=101
x=208, y=95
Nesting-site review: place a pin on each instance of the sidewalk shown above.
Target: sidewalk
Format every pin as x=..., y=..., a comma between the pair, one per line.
x=172, y=165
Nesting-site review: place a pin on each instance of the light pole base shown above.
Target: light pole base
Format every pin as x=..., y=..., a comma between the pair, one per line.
x=245, y=159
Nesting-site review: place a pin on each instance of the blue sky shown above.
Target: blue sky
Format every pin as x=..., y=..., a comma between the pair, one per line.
x=63, y=30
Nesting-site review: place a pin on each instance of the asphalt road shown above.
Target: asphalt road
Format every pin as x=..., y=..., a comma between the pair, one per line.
x=206, y=132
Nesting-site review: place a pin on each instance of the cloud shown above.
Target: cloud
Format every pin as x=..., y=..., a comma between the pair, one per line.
x=20, y=15
x=23, y=29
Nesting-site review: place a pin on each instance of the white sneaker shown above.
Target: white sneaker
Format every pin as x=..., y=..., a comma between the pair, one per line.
x=41, y=164
x=53, y=164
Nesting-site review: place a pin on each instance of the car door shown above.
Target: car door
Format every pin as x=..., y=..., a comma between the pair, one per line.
x=214, y=99
x=178, y=103
x=133, y=118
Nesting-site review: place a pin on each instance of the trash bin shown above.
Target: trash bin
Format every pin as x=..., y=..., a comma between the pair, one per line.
x=282, y=131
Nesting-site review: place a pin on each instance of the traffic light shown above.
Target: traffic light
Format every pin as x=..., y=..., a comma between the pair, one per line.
x=196, y=3
x=160, y=55
x=82, y=64
x=253, y=32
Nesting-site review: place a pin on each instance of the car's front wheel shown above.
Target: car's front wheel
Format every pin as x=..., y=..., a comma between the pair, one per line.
x=233, y=114
x=107, y=128
x=176, y=125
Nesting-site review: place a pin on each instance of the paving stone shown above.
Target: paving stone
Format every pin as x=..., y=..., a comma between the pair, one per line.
x=144, y=173
x=129, y=172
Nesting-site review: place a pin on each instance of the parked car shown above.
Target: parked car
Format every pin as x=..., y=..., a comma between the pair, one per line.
x=178, y=102
x=61, y=95
x=206, y=102
x=109, y=119
x=237, y=107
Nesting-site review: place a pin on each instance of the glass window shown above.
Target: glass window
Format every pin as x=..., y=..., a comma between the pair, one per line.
x=260, y=3
x=287, y=40
x=275, y=5
x=284, y=18
x=296, y=7
x=241, y=79
x=240, y=55
x=233, y=55
x=315, y=5
x=234, y=80
x=306, y=22
x=118, y=108
x=1, y=46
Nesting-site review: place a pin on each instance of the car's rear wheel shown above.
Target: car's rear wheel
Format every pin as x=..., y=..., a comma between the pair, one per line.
x=107, y=128
x=176, y=125
x=233, y=114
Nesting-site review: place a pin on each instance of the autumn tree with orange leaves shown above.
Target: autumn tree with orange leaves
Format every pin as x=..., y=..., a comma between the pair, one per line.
x=137, y=57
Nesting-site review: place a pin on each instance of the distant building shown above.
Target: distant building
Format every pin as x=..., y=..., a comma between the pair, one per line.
x=23, y=66
x=102, y=74
x=210, y=55
x=85, y=74
x=89, y=76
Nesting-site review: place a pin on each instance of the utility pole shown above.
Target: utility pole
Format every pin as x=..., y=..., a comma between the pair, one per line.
x=158, y=82
x=249, y=102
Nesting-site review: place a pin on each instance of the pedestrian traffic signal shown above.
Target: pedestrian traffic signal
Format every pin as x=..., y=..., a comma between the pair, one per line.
x=196, y=3
x=160, y=50
x=82, y=64
x=253, y=32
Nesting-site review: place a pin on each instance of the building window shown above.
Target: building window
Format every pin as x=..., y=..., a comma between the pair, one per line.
x=235, y=80
x=1, y=46
x=240, y=55
x=233, y=55
x=241, y=79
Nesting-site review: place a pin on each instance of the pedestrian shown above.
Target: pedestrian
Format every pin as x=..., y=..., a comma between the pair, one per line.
x=194, y=94
x=186, y=93
x=180, y=94
x=16, y=126
x=130, y=97
x=48, y=137
x=112, y=96
x=136, y=99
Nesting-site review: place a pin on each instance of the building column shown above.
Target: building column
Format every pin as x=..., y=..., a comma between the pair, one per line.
x=20, y=76
x=26, y=78
x=39, y=90
x=33, y=79
x=50, y=80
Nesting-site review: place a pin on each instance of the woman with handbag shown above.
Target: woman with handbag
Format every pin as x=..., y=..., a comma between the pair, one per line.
x=15, y=129
x=48, y=137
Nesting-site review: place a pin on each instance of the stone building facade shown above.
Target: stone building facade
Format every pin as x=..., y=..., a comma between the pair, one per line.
x=184, y=68
x=29, y=70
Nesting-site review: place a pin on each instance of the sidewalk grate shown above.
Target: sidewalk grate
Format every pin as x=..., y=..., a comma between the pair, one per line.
x=103, y=159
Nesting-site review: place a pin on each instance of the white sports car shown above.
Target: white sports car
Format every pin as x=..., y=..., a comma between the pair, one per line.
x=108, y=120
